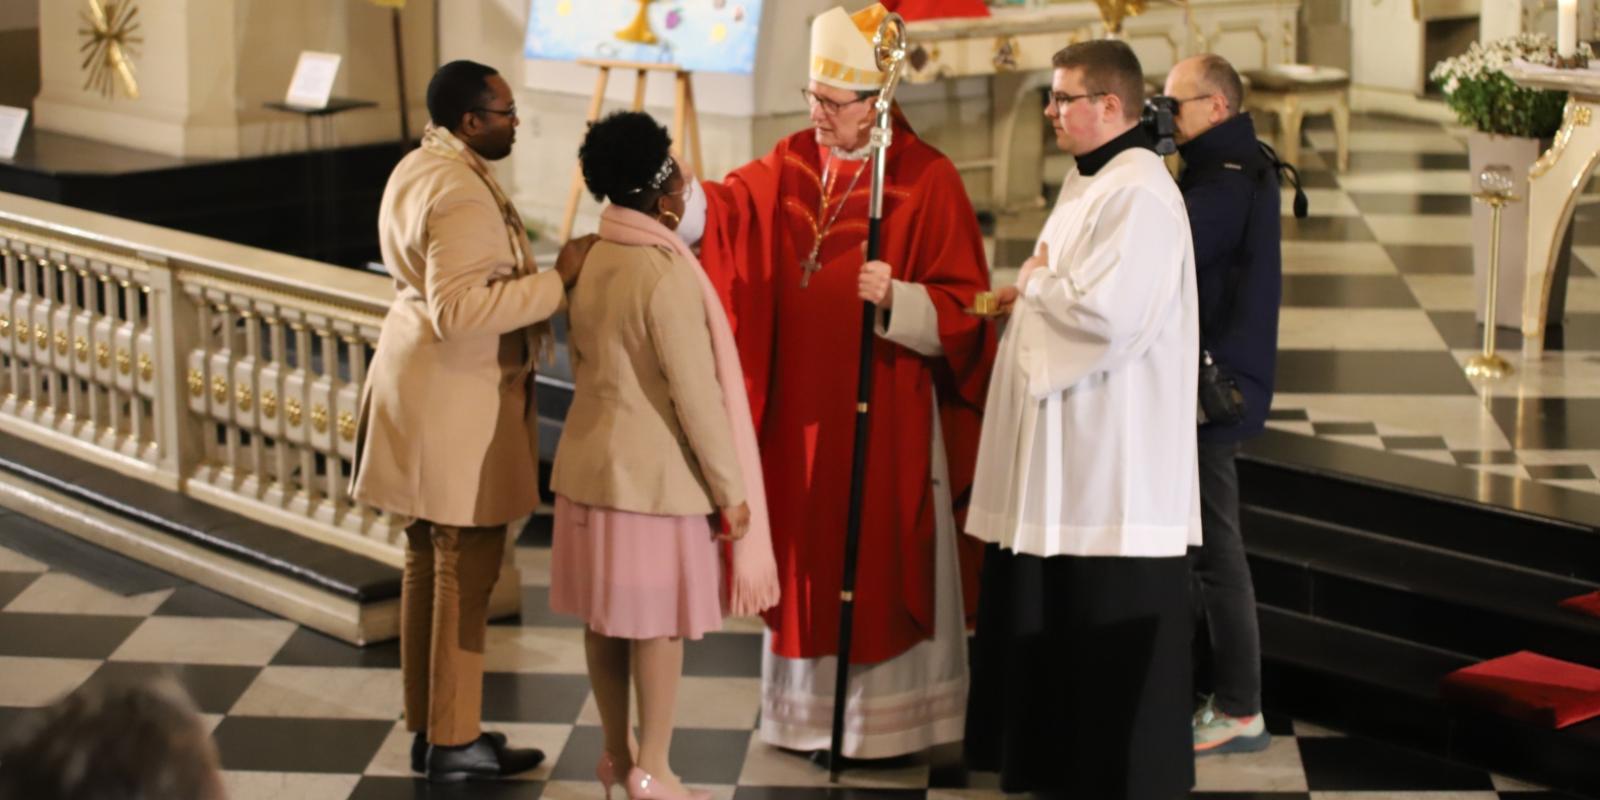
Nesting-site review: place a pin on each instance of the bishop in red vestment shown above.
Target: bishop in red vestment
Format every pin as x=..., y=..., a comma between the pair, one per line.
x=784, y=241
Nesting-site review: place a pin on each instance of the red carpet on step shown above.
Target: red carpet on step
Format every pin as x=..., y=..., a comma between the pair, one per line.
x=1528, y=687
x=1584, y=604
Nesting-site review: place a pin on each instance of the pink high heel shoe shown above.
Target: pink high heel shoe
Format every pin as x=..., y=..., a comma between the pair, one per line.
x=643, y=787
x=606, y=772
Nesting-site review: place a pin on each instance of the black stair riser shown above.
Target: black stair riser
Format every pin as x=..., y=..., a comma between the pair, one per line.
x=1545, y=545
x=1359, y=704
x=1479, y=632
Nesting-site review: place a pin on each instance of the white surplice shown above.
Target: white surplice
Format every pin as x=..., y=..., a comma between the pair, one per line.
x=1088, y=445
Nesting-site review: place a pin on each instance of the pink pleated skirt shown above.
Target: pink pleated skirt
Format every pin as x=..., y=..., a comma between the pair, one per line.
x=635, y=576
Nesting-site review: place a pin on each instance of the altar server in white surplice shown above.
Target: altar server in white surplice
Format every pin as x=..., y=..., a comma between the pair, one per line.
x=1087, y=487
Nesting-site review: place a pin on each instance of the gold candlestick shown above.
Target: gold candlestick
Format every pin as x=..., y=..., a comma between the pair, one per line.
x=1494, y=190
x=639, y=30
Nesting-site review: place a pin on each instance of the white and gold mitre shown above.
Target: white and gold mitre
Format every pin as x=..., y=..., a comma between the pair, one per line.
x=841, y=48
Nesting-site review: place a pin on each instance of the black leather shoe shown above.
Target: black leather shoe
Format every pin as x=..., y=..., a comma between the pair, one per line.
x=419, y=749
x=486, y=758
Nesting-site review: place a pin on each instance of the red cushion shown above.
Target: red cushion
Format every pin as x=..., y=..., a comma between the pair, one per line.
x=1584, y=604
x=1529, y=687
x=913, y=10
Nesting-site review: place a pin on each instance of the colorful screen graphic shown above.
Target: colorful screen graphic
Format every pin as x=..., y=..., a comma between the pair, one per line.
x=697, y=35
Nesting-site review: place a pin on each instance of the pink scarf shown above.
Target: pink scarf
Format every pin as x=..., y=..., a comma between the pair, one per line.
x=753, y=582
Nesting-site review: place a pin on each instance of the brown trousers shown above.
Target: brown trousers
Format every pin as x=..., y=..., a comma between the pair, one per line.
x=444, y=614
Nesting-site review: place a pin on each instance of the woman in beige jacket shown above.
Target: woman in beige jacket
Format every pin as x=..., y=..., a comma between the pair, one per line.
x=647, y=452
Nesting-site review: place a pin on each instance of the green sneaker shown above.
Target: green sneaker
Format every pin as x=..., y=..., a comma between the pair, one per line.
x=1216, y=733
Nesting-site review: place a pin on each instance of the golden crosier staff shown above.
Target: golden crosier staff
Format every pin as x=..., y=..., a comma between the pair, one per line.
x=889, y=50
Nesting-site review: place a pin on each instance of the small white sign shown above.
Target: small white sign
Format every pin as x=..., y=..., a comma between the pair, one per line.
x=313, y=79
x=12, y=121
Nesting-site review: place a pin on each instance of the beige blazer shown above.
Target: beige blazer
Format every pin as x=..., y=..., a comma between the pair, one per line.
x=647, y=431
x=450, y=434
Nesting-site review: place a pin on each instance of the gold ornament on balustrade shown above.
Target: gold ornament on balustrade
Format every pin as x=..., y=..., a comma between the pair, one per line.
x=147, y=368
x=5, y=326
x=108, y=46
x=347, y=426
x=291, y=410
x=319, y=418
x=102, y=355
x=197, y=382
x=124, y=361
x=22, y=332
x=81, y=347
x=41, y=337
x=269, y=403
x=219, y=390
x=243, y=396
x=61, y=343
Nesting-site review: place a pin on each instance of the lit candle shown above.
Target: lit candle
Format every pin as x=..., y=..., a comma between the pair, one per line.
x=1566, y=28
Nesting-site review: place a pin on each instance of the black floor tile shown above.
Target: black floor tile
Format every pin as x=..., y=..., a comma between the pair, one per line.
x=214, y=688
x=1318, y=179
x=1549, y=423
x=526, y=697
x=67, y=553
x=1250, y=795
x=1468, y=457
x=699, y=755
x=1431, y=259
x=198, y=601
x=13, y=584
x=536, y=612
x=1344, y=428
x=13, y=722
x=307, y=648
x=733, y=655
x=63, y=635
x=1288, y=415
x=1369, y=161
x=1343, y=764
x=1560, y=472
x=1347, y=291
x=1327, y=229
x=380, y=788
x=824, y=793
x=272, y=744
x=1369, y=372
x=1414, y=443
x=539, y=531
x=1461, y=331
x=1396, y=203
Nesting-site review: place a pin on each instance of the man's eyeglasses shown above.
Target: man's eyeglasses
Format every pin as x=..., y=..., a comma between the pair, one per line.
x=1062, y=99
x=509, y=112
x=831, y=106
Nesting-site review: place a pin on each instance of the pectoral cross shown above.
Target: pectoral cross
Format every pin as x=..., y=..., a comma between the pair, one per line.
x=807, y=267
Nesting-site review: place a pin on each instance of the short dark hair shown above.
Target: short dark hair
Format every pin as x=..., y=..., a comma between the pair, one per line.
x=139, y=740
x=621, y=155
x=1109, y=67
x=457, y=88
x=1217, y=75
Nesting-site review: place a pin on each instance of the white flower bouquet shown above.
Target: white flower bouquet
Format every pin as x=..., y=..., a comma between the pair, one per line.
x=1477, y=89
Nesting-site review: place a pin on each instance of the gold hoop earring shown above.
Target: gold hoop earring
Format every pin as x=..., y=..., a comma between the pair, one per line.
x=675, y=218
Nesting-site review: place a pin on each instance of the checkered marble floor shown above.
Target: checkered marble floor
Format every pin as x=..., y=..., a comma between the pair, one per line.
x=298, y=715
x=1378, y=317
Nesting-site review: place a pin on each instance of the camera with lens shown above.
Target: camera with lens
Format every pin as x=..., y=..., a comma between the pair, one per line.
x=1159, y=121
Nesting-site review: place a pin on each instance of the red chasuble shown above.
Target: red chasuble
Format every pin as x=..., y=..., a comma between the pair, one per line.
x=799, y=348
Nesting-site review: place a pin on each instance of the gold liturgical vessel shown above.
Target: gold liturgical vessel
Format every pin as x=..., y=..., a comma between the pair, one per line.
x=1494, y=190
x=639, y=30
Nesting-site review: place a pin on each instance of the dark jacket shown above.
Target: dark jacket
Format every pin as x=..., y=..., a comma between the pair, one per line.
x=1231, y=190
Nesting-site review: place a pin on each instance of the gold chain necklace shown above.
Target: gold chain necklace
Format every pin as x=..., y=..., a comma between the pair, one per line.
x=811, y=264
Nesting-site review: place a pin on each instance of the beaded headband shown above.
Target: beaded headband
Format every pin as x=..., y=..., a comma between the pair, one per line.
x=659, y=179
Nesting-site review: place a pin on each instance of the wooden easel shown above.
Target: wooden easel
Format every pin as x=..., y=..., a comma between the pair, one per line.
x=685, y=122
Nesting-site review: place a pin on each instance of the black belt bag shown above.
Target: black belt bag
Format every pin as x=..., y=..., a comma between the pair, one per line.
x=1221, y=401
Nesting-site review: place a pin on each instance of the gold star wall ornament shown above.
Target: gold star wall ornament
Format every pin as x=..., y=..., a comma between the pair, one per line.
x=108, y=46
